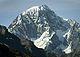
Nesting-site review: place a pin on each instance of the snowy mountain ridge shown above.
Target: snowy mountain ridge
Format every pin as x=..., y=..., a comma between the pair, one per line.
x=47, y=30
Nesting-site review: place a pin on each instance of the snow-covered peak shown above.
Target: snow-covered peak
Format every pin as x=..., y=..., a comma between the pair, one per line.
x=36, y=9
x=65, y=19
x=47, y=30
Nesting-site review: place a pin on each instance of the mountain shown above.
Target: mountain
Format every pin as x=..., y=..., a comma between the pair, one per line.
x=48, y=31
x=11, y=46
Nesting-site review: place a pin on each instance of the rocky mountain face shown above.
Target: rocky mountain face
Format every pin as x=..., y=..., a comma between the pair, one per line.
x=5, y=52
x=47, y=30
x=11, y=46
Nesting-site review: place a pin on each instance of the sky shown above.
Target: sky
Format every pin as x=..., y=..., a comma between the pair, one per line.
x=9, y=9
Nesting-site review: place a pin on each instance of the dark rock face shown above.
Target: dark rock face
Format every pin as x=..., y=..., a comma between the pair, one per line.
x=13, y=43
x=5, y=52
x=11, y=40
x=37, y=52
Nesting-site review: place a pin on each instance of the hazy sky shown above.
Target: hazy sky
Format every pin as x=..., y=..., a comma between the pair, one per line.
x=9, y=9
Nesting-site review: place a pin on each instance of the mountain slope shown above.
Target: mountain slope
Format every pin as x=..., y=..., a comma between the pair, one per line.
x=47, y=30
x=11, y=45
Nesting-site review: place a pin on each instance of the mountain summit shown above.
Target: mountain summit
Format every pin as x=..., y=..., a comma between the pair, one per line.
x=47, y=30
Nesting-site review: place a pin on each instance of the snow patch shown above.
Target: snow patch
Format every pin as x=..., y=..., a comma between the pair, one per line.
x=65, y=19
x=68, y=49
x=44, y=40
